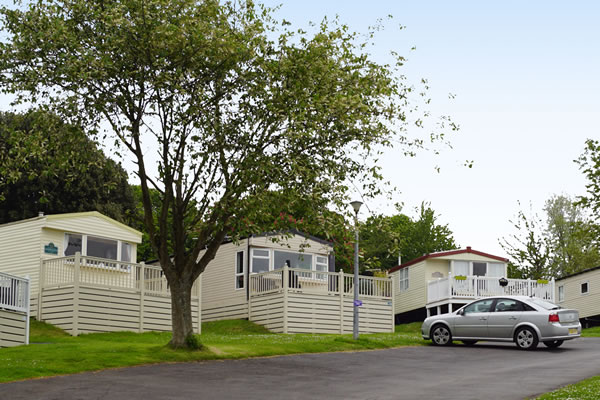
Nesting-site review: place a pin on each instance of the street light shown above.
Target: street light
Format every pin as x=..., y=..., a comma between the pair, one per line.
x=356, y=206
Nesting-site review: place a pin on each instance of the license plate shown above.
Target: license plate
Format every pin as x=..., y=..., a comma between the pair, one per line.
x=573, y=331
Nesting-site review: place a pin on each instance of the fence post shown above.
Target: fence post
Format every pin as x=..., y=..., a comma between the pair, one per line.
x=529, y=287
x=41, y=280
x=393, y=304
x=199, y=294
x=341, y=292
x=450, y=285
x=76, y=271
x=476, y=286
x=285, y=280
x=27, y=301
x=250, y=284
x=142, y=282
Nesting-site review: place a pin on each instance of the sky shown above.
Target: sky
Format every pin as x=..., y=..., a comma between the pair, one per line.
x=527, y=86
x=525, y=75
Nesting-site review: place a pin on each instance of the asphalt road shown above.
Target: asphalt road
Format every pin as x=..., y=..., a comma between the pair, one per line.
x=485, y=371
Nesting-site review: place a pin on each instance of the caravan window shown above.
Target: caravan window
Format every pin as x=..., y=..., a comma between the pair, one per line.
x=93, y=246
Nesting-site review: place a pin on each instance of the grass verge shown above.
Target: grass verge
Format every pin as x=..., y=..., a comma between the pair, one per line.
x=587, y=389
x=53, y=352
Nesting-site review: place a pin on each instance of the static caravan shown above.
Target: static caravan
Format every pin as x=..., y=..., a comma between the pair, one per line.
x=30, y=242
x=288, y=283
x=443, y=281
x=581, y=291
x=84, y=275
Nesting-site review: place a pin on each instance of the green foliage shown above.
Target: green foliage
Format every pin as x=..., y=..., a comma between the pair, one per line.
x=571, y=235
x=528, y=249
x=562, y=244
x=383, y=237
x=50, y=166
x=236, y=105
x=589, y=164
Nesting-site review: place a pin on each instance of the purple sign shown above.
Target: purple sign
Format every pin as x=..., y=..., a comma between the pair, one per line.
x=358, y=303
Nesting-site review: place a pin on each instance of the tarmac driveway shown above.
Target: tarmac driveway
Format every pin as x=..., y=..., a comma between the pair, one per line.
x=485, y=371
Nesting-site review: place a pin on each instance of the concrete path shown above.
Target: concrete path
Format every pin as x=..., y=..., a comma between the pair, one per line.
x=485, y=371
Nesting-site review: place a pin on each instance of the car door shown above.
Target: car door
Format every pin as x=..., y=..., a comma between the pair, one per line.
x=506, y=314
x=473, y=320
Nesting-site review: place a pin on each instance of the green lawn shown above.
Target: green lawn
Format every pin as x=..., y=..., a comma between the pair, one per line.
x=53, y=352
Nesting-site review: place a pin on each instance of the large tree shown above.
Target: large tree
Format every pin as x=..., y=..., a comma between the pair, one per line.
x=234, y=105
x=50, y=166
x=384, y=238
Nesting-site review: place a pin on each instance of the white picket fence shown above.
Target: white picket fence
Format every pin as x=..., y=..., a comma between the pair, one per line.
x=480, y=286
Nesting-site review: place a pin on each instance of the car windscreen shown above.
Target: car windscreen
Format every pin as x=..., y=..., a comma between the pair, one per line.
x=543, y=303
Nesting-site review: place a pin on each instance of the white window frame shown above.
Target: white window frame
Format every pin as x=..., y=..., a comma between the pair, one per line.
x=267, y=257
x=271, y=258
x=581, y=288
x=403, y=281
x=561, y=293
x=487, y=267
x=84, y=240
x=238, y=274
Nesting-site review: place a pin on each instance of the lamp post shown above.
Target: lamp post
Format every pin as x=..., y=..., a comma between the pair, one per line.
x=356, y=206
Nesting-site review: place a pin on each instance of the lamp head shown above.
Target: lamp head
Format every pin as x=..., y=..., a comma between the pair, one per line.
x=356, y=205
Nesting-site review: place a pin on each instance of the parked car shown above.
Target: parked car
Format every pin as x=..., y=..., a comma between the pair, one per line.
x=520, y=319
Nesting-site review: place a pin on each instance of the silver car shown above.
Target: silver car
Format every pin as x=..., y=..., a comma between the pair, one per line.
x=520, y=319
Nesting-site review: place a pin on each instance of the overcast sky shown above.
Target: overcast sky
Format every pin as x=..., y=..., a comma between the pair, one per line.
x=526, y=75
x=527, y=81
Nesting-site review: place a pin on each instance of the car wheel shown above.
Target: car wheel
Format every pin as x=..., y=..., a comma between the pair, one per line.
x=440, y=335
x=553, y=343
x=526, y=339
x=469, y=342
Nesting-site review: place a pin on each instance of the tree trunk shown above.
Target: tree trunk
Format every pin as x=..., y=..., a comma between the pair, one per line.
x=181, y=314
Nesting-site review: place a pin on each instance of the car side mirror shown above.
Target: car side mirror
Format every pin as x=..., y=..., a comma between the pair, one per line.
x=460, y=312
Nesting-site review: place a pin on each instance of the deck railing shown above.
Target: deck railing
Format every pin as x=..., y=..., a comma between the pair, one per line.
x=480, y=286
x=302, y=280
x=14, y=296
x=14, y=293
x=99, y=272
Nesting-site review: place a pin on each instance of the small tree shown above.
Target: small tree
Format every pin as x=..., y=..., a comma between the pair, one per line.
x=234, y=106
x=589, y=164
x=574, y=246
x=528, y=249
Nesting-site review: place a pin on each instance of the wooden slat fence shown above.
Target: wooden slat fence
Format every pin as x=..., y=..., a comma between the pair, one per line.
x=85, y=294
x=300, y=301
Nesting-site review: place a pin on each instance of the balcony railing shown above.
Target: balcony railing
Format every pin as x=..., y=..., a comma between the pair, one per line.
x=99, y=272
x=473, y=287
x=14, y=293
x=14, y=296
x=333, y=283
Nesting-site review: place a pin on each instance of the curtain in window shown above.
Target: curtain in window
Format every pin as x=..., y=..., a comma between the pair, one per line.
x=460, y=268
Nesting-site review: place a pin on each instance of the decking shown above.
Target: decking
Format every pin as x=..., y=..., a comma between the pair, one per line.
x=85, y=295
x=299, y=301
x=14, y=310
x=462, y=290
